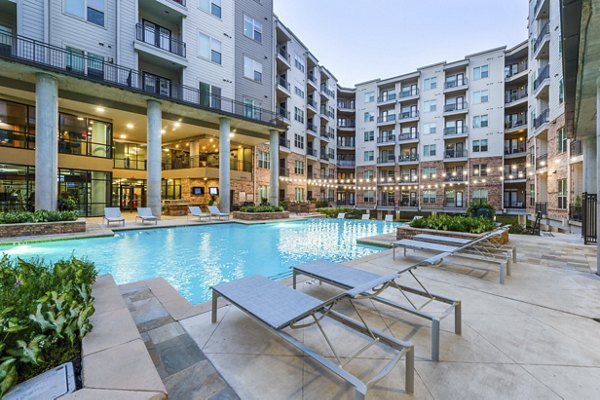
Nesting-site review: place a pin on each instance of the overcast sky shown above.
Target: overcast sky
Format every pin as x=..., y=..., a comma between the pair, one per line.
x=360, y=40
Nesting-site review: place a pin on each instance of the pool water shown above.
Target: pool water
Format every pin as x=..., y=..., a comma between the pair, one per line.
x=193, y=258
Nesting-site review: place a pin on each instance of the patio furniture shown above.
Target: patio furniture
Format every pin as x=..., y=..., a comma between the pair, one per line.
x=389, y=218
x=113, y=214
x=145, y=214
x=215, y=212
x=197, y=212
x=341, y=215
x=279, y=307
x=347, y=278
x=365, y=217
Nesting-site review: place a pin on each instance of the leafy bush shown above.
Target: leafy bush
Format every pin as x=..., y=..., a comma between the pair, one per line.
x=481, y=209
x=456, y=223
x=260, y=209
x=321, y=203
x=44, y=315
x=18, y=217
x=351, y=213
x=67, y=203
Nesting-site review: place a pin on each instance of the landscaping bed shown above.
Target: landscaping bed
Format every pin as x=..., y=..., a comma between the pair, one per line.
x=260, y=216
x=41, y=222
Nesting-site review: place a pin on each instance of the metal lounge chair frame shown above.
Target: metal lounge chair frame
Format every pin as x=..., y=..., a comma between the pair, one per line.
x=113, y=214
x=266, y=301
x=215, y=212
x=341, y=216
x=197, y=212
x=147, y=215
x=334, y=274
x=365, y=217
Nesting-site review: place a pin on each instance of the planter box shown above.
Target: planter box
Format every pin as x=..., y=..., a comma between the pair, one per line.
x=42, y=228
x=246, y=216
x=406, y=232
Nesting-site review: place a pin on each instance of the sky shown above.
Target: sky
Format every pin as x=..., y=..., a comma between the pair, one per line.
x=361, y=40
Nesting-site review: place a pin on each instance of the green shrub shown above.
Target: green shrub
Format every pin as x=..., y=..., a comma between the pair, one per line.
x=481, y=209
x=351, y=213
x=321, y=203
x=18, y=217
x=44, y=315
x=67, y=203
x=455, y=223
x=260, y=209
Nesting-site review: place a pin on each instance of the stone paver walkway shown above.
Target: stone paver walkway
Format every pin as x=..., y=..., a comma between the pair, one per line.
x=184, y=369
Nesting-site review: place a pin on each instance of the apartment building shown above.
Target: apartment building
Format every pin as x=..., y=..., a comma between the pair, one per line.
x=557, y=184
x=151, y=99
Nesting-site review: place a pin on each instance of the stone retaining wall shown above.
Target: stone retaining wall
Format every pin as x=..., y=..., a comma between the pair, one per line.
x=246, y=216
x=42, y=228
x=406, y=232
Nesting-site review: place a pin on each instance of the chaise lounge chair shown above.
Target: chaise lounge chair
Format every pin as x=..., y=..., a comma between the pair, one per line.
x=389, y=218
x=113, y=214
x=347, y=278
x=215, y=212
x=341, y=215
x=279, y=307
x=145, y=214
x=365, y=217
x=197, y=212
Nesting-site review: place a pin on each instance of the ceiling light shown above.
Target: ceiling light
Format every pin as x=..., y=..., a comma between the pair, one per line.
x=211, y=139
x=79, y=118
x=177, y=124
x=123, y=136
x=163, y=131
x=129, y=126
x=100, y=109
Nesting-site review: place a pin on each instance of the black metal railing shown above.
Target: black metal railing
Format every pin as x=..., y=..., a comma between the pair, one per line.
x=284, y=172
x=323, y=156
x=541, y=119
x=283, y=53
x=576, y=148
x=386, y=97
x=311, y=127
x=455, y=106
x=515, y=174
x=409, y=114
x=346, y=163
x=312, y=79
x=514, y=121
x=386, y=118
x=282, y=81
x=514, y=204
x=327, y=91
x=589, y=227
x=386, y=139
x=127, y=163
x=205, y=161
x=386, y=203
x=455, y=83
x=515, y=150
x=39, y=54
x=408, y=203
x=542, y=75
x=541, y=161
x=454, y=178
x=346, y=123
x=408, y=136
x=312, y=152
x=408, y=157
x=156, y=38
x=310, y=102
x=346, y=142
x=515, y=69
x=283, y=113
x=390, y=158
x=455, y=154
x=407, y=178
x=283, y=142
x=575, y=212
x=540, y=39
x=455, y=130
x=346, y=105
x=409, y=92
x=514, y=95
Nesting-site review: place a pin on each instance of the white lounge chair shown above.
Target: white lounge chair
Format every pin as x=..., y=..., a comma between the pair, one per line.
x=341, y=215
x=389, y=218
x=365, y=217
x=197, y=212
x=113, y=214
x=416, y=217
x=215, y=212
x=145, y=214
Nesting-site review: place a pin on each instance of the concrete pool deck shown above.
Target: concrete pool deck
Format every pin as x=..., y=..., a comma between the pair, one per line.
x=537, y=336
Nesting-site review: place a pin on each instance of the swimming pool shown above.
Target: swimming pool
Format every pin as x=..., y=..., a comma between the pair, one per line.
x=192, y=258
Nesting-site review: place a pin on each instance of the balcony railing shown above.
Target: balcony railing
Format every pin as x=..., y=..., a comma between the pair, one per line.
x=311, y=127
x=454, y=178
x=283, y=53
x=515, y=121
x=455, y=154
x=515, y=69
x=455, y=83
x=327, y=91
x=284, y=172
x=312, y=152
x=409, y=92
x=408, y=158
x=127, y=163
x=390, y=158
x=576, y=148
x=348, y=123
x=386, y=118
x=514, y=204
x=515, y=150
x=281, y=81
x=346, y=105
x=283, y=142
x=515, y=95
x=348, y=142
x=150, y=35
x=409, y=114
x=346, y=163
x=541, y=161
x=542, y=118
x=386, y=97
x=283, y=113
x=542, y=75
x=386, y=203
x=205, y=161
x=406, y=178
x=455, y=106
x=386, y=139
x=543, y=32
x=408, y=203
x=56, y=59
x=312, y=78
x=408, y=136
x=312, y=103
x=515, y=174
x=455, y=130
x=323, y=156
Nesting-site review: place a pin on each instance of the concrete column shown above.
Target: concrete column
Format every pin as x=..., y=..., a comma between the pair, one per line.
x=224, y=164
x=46, y=142
x=589, y=164
x=154, y=164
x=194, y=153
x=274, y=199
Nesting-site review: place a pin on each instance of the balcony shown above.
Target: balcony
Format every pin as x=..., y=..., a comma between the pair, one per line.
x=283, y=85
x=514, y=96
x=455, y=154
x=455, y=108
x=325, y=112
x=519, y=205
x=283, y=113
x=346, y=143
x=346, y=124
x=284, y=172
x=542, y=75
x=326, y=135
x=313, y=81
x=386, y=98
x=283, y=142
x=386, y=203
x=312, y=152
x=312, y=105
x=409, y=93
x=323, y=156
x=516, y=151
x=148, y=34
x=386, y=140
x=408, y=136
x=284, y=56
x=511, y=71
x=406, y=178
x=576, y=148
x=456, y=131
x=543, y=35
x=455, y=84
x=344, y=163
x=311, y=128
x=542, y=119
x=386, y=119
x=205, y=161
x=515, y=121
x=453, y=205
x=515, y=176
x=330, y=93
x=408, y=158
x=541, y=162
x=346, y=105
x=407, y=115
x=386, y=159
x=54, y=59
x=454, y=177
x=408, y=203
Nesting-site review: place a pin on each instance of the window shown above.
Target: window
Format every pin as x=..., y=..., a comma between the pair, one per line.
x=369, y=196
x=299, y=91
x=480, y=121
x=369, y=155
x=429, y=196
x=299, y=115
x=252, y=69
x=251, y=109
x=429, y=150
x=429, y=172
x=263, y=192
x=480, y=96
x=562, y=194
x=430, y=128
x=299, y=194
x=480, y=196
x=368, y=174
x=561, y=90
x=91, y=10
x=430, y=105
x=209, y=48
x=480, y=72
x=299, y=167
x=211, y=7
x=75, y=60
x=532, y=195
x=369, y=117
x=480, y=170
x=299, y=62
x=480, y=145
x=369, y=97
x=369, y=136
x=298, y=141
x=430, y=83
x=562, y=140
x=253, y=29
x=264, y=159
x=210, y=95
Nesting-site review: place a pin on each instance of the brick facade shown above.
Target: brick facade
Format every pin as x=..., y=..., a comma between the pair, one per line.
x=558, y=168
x=493, y=180
x=41, y=228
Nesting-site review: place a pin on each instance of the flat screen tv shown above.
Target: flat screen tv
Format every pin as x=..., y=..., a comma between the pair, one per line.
x=197, y=190
x=213, y=191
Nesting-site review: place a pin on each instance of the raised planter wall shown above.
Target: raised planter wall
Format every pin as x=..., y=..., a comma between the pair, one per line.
x=246, y=216
x=42, y=228
x=406, y=232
